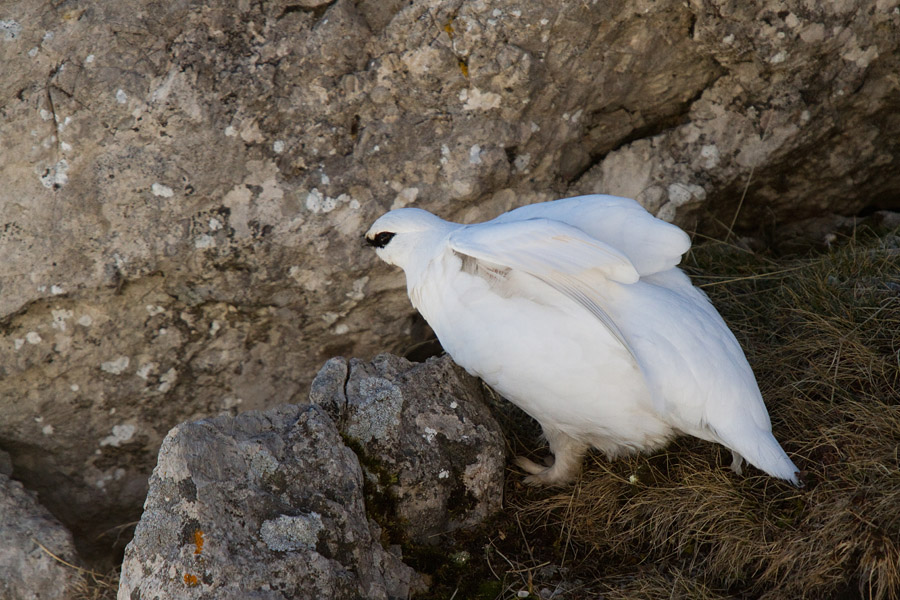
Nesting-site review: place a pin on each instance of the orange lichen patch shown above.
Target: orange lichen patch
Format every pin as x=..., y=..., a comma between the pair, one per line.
x=464, y=68
x=198, y=541
x=191, y=580
x=449, y=29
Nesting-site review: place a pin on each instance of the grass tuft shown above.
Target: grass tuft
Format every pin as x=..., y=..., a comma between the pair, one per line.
x=88, y=585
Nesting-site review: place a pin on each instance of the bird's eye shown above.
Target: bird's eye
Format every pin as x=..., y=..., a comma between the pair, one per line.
x=381, y=239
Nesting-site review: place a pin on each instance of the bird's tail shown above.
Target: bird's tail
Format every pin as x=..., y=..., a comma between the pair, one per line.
x=764, y=452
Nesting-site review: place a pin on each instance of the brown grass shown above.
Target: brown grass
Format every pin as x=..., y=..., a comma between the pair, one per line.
x=88, y=585
x=96, y=586
x=656, y=584
x=823, y=336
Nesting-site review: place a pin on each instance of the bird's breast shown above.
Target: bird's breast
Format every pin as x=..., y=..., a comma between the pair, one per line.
x=537, y=348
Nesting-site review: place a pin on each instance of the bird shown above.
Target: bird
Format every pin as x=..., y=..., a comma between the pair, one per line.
x=575, y=310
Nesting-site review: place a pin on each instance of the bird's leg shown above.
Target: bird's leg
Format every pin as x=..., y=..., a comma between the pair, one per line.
x=567, y=454
x=736, y=462
x=529, y=466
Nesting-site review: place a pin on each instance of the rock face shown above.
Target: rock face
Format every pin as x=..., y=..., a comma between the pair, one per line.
x=802, y=98
x=262, y=505
x=92, y=386
x=274, y=504
x=432, y=452
x=28, y=572
x=185, y=184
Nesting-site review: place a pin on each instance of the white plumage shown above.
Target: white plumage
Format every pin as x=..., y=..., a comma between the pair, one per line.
x=575, y=311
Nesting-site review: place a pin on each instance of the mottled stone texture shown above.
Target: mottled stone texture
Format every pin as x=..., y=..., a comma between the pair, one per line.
x=431, y=450
x=262, y=505
x=802, y=118
x=29, y=534
x=286, y=503
x=185, y=184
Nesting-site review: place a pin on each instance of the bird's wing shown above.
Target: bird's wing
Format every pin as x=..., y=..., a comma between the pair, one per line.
x=560, y=255
x=651, y=244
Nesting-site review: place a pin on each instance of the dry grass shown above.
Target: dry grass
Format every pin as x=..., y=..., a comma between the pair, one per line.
x=823, y=336
x=88, y=585
x=96, y=586
x=656, y=584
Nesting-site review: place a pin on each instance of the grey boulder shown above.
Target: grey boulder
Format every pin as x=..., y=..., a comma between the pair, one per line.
x=28, y=536
x=262, y=505
x=433, y=454
x=276, y=504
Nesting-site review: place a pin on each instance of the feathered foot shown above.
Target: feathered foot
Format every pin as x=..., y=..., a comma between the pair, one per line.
x=529, y=466
x=737, y=462
x=567, y=454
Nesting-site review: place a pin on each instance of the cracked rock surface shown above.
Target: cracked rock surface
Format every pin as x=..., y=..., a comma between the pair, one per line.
x=432, y=452
x=284, y=503
x=262, y=505
x=185, y=184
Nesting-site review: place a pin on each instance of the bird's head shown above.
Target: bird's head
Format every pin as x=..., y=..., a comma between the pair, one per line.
x=403, y=236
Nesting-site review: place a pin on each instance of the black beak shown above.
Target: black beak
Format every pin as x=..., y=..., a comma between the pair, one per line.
x=369, y=241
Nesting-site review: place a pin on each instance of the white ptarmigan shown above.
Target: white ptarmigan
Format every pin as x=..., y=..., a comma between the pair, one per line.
x=575, y=311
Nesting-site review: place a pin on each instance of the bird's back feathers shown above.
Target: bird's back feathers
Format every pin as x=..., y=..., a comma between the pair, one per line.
x=652, y=245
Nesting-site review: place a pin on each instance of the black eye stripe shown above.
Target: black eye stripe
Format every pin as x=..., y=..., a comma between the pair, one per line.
x=381, y=239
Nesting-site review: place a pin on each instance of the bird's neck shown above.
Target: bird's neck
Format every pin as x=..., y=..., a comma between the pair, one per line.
x=428, y=261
